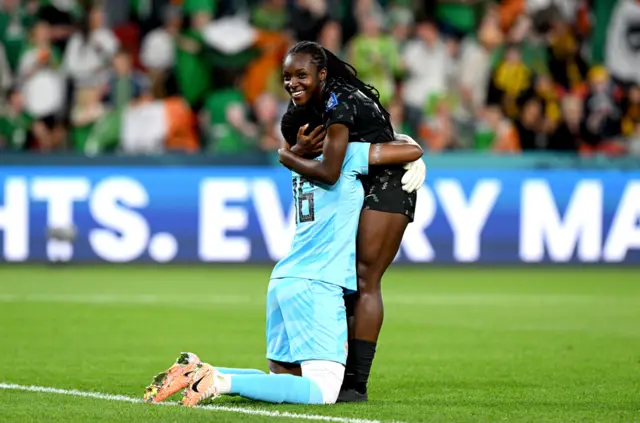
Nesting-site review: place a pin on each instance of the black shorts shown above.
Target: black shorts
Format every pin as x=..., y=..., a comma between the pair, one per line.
x=383, y=192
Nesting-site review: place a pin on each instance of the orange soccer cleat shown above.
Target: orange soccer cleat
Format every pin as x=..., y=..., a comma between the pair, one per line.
x=204, y=384
x=172, y=380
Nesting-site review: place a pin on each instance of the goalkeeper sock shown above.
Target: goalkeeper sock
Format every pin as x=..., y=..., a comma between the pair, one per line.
x=273, y=388
x=232, y=371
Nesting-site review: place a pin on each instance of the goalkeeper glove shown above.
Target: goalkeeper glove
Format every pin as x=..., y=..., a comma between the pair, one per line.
x=416, y=172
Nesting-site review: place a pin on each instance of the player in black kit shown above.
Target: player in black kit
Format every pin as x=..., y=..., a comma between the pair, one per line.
x=328, y=98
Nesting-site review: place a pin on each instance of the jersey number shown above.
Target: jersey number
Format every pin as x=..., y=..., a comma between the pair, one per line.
x=302, y=199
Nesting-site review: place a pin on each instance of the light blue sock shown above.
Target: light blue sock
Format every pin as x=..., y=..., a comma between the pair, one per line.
x=277, y=389
x=232, y=371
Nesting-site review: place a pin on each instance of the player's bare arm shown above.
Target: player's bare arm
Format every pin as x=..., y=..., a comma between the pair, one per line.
x=313, y=143
x=327, y=170
x=393, y=153
x=413, y=179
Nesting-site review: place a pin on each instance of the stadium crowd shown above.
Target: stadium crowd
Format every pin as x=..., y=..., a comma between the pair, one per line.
x=149, y=76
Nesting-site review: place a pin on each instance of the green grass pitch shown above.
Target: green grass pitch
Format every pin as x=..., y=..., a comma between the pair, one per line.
x=458, y=344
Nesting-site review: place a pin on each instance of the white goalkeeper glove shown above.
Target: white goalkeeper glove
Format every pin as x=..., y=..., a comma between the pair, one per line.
x=416, y=172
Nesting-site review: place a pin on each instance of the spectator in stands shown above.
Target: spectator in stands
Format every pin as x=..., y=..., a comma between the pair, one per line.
x=365, y=8
x=439, y=131
x=510, y=83
x=15, y=123
x=631, y=111
x=530, y=125
x=264, y=73
x=147, y=14
x=473, y=74
x=545, y=90
x=426, y=63
x=125, y=83
x=452, y=44
x=99, y=127
x=158, y=46
x=376, y=57
x=15, y=23
x=532, y=46
x=569, y=135
x=307, y=18
x=400, y=125
x=43, y=88
x=400, y=24
x=225, y=118
x=62, y=15
x=86, y=113
x=158, y=50
x=331, y=37
x=6, y=78
x=90, y=51
x=495, y=132
x=566, y=65
x=601, y=111
x=270, y=15
x=520, y=30
x=475, y=66
x=266, y=110
x=193, y=70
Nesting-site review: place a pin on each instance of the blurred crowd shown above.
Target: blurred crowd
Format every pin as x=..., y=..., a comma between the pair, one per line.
x=204, y=76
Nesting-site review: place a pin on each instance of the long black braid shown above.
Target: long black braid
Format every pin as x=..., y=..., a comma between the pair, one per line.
x=338, y=69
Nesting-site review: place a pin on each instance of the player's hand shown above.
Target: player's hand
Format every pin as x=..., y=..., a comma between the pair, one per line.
x=309, y=144
x=416, y=172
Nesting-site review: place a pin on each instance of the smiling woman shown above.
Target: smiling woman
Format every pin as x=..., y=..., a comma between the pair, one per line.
x=325, y=89
x=309, y=66
x=300, y=80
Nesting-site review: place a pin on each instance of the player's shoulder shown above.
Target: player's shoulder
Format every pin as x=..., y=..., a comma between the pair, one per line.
x=338, y=91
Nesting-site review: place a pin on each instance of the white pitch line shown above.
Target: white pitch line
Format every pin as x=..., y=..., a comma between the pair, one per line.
x=240, y=410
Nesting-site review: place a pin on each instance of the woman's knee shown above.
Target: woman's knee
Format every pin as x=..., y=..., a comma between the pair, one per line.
x=369, y=277
x=368, y=286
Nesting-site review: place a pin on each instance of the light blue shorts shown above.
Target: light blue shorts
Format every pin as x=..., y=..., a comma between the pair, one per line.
x=306, y=320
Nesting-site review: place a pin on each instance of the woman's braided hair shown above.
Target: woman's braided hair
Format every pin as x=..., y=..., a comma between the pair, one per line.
x=336, y=69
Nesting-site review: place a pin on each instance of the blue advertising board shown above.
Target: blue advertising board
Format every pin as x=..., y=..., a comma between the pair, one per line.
x=245, y=214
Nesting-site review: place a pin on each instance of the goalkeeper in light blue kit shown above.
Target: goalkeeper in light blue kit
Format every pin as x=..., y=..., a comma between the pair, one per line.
x=306, y=318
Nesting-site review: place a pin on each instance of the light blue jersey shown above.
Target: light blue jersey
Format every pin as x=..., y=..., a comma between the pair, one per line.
x=324, y=244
